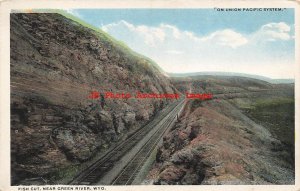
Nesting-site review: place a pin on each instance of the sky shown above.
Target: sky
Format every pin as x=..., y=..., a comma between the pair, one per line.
x=199, y=40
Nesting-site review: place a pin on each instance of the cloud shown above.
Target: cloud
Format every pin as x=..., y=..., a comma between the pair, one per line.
x=73, y=12
x=149, y=35
x=274, y=31
x=226, y=37
x=227, y=50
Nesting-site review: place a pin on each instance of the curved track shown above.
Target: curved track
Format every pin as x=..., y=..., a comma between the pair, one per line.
x=97, y=170
x=130, y=171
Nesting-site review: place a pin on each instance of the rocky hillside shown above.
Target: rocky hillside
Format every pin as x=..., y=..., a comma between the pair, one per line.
x=241, y=140
x=55, y=64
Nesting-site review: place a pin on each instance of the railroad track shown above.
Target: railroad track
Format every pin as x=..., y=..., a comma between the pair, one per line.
x=97, y=170
x=128, y=174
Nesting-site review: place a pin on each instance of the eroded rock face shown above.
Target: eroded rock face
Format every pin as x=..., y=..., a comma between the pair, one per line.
x=171, y=175
x=129, y=118
x=211, y=145
x=76, y=142
x=119, y=123
x=142, y=114
x=55, y=64
x=183, y=156
x=104, y=122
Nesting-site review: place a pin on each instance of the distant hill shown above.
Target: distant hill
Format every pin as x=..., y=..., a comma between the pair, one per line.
x=270, y=80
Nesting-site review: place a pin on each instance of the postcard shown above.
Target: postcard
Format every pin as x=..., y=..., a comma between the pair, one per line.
x=131, y=95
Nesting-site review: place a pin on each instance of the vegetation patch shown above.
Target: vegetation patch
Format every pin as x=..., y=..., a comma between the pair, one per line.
x=278, y=115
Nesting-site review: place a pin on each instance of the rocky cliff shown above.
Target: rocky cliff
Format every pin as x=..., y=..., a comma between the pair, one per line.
x=55, y=64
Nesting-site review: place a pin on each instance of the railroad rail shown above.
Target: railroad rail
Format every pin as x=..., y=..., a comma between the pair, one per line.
x=130, y=171
x=156, y=128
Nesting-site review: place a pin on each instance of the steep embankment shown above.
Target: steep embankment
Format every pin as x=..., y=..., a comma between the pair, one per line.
x=247, y=140
x=55, y=64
